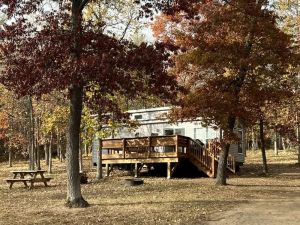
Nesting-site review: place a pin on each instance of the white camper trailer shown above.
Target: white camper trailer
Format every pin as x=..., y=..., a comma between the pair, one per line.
x=153, y=122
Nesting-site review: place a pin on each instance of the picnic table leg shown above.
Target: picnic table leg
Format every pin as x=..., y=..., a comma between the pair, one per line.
x=31, y=184
x=25, y=183
x=11, y=184
x=43, y=178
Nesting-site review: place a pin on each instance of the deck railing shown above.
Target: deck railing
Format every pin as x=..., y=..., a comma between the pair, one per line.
x=174, y=146
x=144, y=147
x=214, y=147
x=199, y=152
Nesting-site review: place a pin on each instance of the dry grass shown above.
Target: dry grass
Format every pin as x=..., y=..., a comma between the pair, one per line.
x=158, y=201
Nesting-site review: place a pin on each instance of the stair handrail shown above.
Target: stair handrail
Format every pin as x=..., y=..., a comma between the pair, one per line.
x=213, y=151
x=214, y=147
x=198, y=151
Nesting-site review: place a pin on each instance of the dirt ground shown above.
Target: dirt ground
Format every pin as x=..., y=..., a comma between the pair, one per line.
x=264, y=199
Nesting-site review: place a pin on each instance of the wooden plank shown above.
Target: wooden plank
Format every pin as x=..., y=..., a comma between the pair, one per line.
x=140, y=155
x=112, y=156
x=18, y=180
x=163, y=141
x=141, y=142
x=138, y=160
x=112, y=144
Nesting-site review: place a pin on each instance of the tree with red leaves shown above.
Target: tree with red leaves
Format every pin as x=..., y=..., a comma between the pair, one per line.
x=47, y=45
x=232, y=57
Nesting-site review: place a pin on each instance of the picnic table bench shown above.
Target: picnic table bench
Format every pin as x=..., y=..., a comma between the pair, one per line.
x=30, y=176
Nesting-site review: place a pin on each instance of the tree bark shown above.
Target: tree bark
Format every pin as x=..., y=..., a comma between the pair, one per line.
x=46, y=153
x=60, y=148
x=85, y=144
x=298, y=138
x=222, y=163
x=9, y=157
x=254, y=140
x=31, y=135
x=275, y=142
x=80, y=155
x=38, y=158
x=99, y=161
x=58, y=143
x=50, y=154
x=283, y=143
x=74, y=197
x=263, y=146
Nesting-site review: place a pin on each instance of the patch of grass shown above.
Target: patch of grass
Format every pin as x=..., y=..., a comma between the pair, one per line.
x=157, y=201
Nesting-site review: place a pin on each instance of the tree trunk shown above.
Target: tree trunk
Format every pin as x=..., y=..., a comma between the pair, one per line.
x=298, y=141
x=9, y=157
x=46, y=154
x=31, y=135
x=275, y=142
x=85, y=144
x=61, y=157
x=57, y=144
x=263, y=146
x=80, y=155
x=74, y=197
x=222, y=163
x=59, y=147
x=254, y=140
x=38, y=160
x=38, y=157
x=50, y=154
x=99, y=161
x=283, y=143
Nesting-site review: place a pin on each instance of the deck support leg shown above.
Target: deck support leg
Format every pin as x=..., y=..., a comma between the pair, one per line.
x=169, y=170
x=136, y=170
x=107, y=170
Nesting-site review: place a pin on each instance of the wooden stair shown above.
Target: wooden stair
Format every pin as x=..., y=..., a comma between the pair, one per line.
x=206, y=159
x=201, y=167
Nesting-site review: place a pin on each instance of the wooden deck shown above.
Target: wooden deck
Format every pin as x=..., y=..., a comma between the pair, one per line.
x=162, y=149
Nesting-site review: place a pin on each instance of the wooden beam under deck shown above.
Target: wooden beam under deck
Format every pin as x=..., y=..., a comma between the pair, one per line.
x=139, y=160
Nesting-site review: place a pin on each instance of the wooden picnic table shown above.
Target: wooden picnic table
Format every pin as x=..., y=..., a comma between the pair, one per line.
x=31, y=176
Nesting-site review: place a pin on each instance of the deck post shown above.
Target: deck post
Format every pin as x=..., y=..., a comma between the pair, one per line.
x=124, y=147
x=169, y=170
x=176, y=144
x=136, y=169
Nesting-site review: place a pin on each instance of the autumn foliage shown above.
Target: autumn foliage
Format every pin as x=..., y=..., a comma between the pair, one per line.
x=232, y=58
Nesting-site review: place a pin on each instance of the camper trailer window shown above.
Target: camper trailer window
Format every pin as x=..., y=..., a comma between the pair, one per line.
x=169, y=132
x=179, y=131
x=138, y=117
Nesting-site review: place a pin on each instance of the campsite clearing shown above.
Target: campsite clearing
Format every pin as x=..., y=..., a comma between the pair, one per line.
x=157, y=201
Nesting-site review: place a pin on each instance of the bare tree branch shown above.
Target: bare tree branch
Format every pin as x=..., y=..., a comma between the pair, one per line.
x=83, y=4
